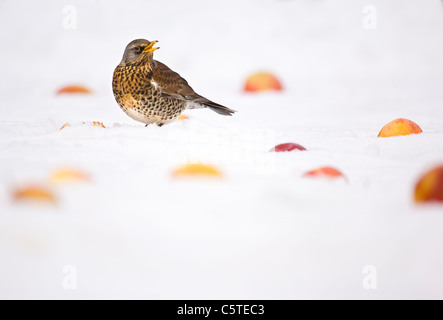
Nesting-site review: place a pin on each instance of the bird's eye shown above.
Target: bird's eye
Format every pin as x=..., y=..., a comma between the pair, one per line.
x=137, y=49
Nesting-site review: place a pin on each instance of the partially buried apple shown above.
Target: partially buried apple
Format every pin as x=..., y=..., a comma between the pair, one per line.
x=196, y=170
x=429, y=187
x=33, y=193
x=290, y=146
x=74, y=89
x=65, y=175
x=262, y=81
x=325, y=172
x=399, y=127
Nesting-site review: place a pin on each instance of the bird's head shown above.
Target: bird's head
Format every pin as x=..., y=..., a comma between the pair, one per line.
x=138, y=52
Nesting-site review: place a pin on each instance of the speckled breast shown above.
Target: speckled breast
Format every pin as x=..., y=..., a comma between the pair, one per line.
x=140, y=99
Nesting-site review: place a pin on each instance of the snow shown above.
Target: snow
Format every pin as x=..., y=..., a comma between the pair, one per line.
x=262, y=231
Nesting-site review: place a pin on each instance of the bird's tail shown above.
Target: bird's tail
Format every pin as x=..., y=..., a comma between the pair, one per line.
x=205, y=103
x=219, y=108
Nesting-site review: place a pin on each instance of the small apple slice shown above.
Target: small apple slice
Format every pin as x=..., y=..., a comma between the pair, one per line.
x=65, y=125
x=182, y=117
x=98, y=124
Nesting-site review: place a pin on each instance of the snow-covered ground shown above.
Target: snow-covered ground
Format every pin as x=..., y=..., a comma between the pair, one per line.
x=262, y=231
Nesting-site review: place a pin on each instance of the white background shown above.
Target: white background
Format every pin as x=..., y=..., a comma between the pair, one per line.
x=262, y=231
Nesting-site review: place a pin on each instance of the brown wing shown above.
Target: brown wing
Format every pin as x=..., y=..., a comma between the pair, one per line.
x=171, y=83
x=173, y=86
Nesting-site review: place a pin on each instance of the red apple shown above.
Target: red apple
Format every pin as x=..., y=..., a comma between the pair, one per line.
x=327, y=172
x=261, y=82
x=68, y=175
x=74, y=89
x=430, y=186
x=196, y=169
x=399, y=127
x=288, y=147
x=33, y=193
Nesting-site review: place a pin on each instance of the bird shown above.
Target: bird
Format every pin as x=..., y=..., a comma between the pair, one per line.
x=150, y=92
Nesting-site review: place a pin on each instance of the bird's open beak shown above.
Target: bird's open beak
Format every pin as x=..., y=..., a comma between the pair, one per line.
x=150, y=47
